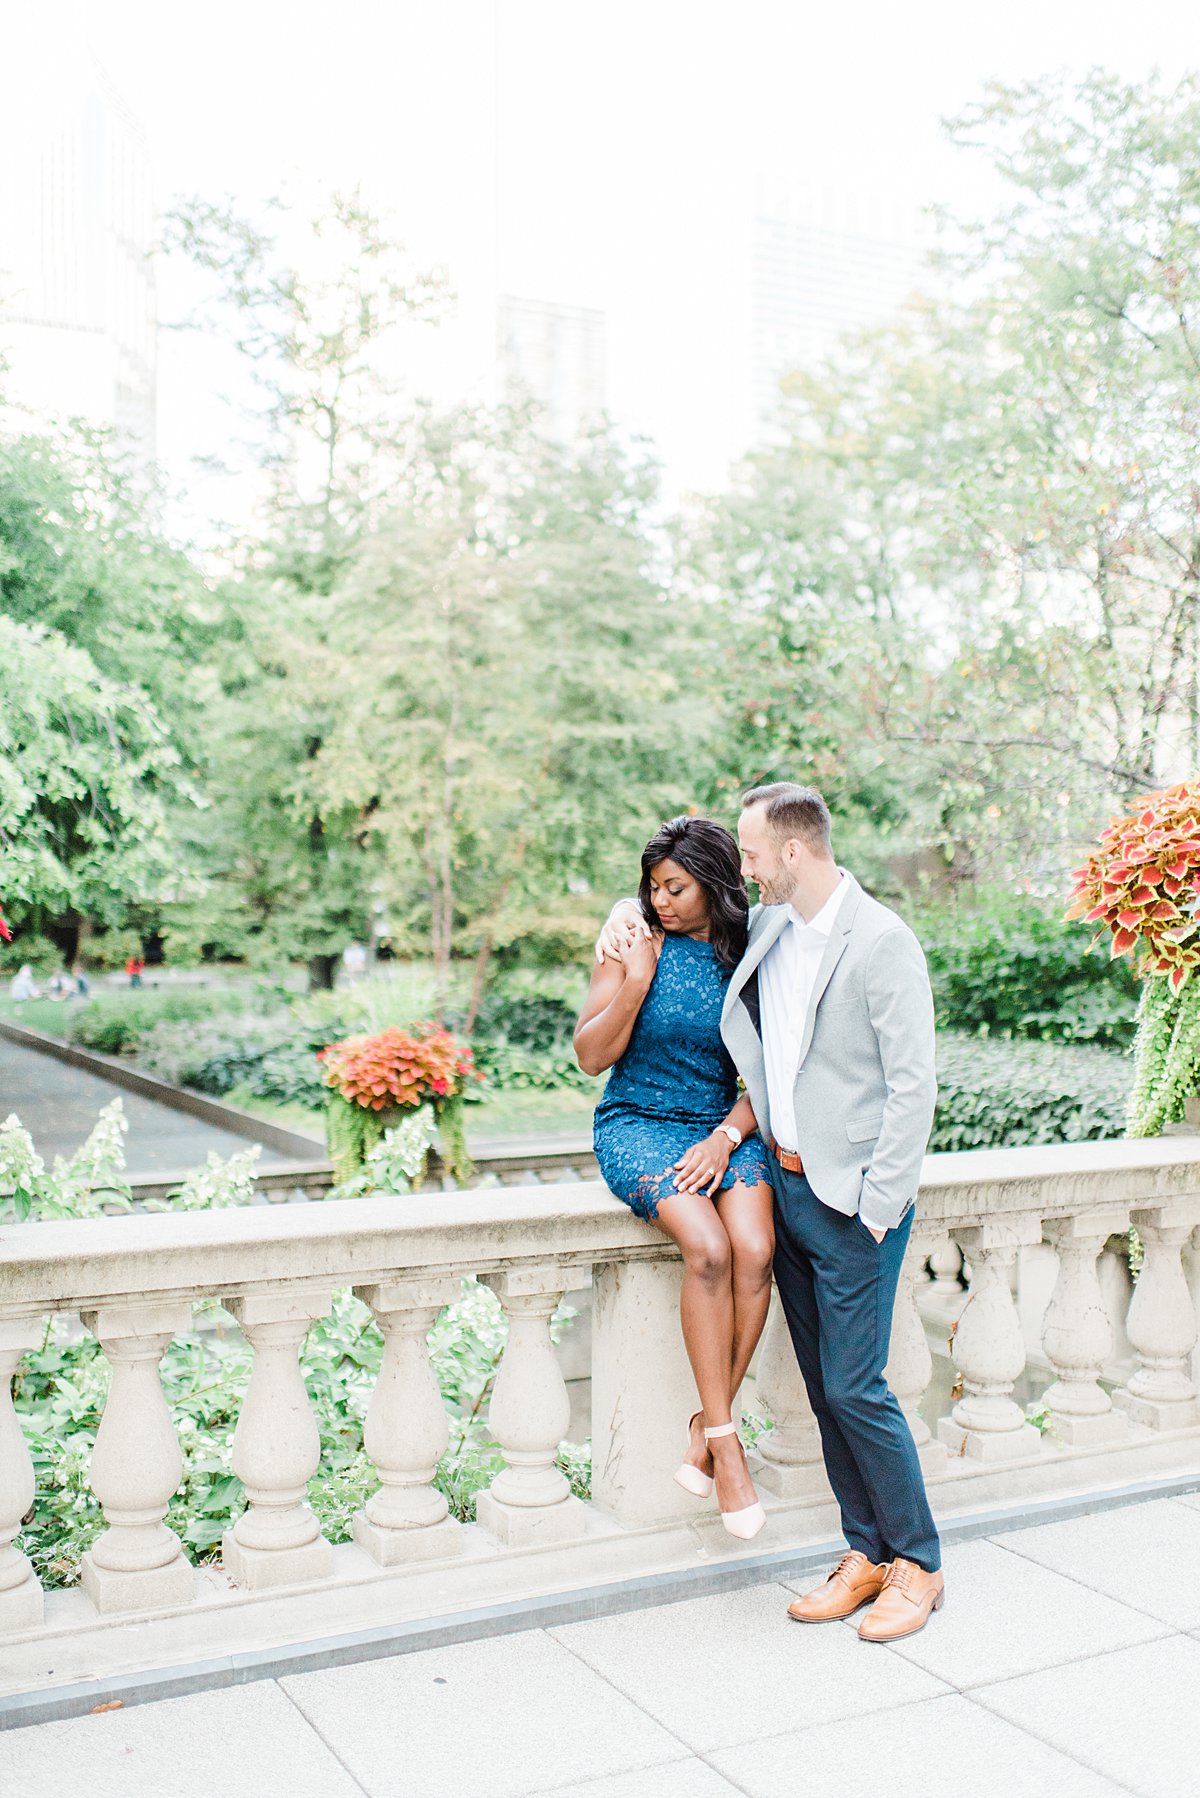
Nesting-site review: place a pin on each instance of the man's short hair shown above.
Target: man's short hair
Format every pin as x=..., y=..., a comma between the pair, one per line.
x=794, y=811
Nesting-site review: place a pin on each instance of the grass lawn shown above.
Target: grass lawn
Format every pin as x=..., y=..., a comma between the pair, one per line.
x=521, y=1112
x=47, y=1015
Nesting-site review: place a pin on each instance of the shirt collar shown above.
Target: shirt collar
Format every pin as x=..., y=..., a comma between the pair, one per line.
x=822, y=924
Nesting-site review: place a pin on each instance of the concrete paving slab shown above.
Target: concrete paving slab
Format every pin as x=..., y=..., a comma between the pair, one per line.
x=211, y=1742
x=722, y=1670
x=1131, y=1715
x=500, y=1719
x=1004, y=1616
x=1145, y=1556
x=1190, y=1498
x=908, y=1753
x=691, y=1778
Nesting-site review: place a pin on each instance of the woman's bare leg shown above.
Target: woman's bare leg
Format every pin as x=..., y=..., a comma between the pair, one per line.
x=706, y=1310
x=748, y=1214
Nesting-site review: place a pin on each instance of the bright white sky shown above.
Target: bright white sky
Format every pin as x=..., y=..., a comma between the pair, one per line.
x=602, y=152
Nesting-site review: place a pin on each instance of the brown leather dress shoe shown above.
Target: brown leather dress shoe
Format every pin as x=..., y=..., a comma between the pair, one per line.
x=907, y=1598
x=854, y=1582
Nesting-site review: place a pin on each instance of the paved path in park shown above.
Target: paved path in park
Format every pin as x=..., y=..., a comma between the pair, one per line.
x=59, y=1104
x=1065, y=1664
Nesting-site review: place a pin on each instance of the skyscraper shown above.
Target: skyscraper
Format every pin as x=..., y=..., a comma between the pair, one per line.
x=77, y=296
x=556, y=356
x=838, y=263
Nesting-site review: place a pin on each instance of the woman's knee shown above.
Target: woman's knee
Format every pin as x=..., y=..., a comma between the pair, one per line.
x=753, y=1254
x=707, y=1256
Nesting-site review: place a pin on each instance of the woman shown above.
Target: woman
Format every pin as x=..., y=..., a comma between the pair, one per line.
x=675, y=1141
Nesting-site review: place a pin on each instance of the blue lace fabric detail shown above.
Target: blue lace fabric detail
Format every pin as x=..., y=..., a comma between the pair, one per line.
x=674, y=1084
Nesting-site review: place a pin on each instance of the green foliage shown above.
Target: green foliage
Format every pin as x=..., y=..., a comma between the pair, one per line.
x=117, y=1023
x=1166, y=1055
x=1003, y=1094
x=1003, y=965
x=43, y=956
x=84, y=1184
x=89, y=778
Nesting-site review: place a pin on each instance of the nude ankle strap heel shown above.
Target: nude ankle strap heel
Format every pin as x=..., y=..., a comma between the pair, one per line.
x=747, y=1522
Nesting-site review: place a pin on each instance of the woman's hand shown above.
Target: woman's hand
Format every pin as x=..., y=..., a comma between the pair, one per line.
x=703, y=1167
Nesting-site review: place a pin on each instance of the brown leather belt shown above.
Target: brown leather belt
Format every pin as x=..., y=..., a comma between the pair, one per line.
x=785, y=1158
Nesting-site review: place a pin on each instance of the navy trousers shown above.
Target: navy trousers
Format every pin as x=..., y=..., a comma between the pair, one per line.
x=838, y=1287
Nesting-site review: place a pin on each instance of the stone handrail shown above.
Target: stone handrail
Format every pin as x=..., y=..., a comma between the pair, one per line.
x=133, y=1280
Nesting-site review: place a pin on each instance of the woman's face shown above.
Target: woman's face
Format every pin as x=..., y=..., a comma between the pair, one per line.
x=679, y=899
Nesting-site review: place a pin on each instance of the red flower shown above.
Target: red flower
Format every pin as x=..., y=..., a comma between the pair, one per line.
x=398, y=1067
x=1140, y=885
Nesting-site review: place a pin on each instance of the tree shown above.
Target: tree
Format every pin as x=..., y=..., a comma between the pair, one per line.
x=88, y=782
x=979, y=551
x=515, y=714
x=291, y=872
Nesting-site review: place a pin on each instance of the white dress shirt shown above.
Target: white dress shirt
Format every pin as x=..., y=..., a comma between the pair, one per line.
x=786, y=976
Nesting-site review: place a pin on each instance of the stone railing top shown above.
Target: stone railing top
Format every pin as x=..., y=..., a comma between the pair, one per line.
x=66, y=1264
x=75, y=1264
x=1059, y=1179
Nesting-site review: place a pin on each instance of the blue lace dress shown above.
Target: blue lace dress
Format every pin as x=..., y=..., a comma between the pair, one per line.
x=674, y=1084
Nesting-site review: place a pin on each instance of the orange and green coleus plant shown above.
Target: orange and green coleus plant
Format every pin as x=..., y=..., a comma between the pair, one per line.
x=398, y=1067
x=1142, y=884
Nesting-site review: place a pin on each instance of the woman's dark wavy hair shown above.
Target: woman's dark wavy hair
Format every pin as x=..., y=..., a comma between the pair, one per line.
x=710, y=855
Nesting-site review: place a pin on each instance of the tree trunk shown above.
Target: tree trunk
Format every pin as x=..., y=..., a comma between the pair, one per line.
x=321, y=970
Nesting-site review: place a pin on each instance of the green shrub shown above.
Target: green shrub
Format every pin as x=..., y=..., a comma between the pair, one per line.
x=290, y=1075
x=42, y=956
x=1005, y=965
x=116, y=1023
x=1000, y=1094
x=211, y=1054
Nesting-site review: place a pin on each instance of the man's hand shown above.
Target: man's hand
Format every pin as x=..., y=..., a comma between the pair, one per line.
x=622, y=927
x=703, y=1167
x=640, y=958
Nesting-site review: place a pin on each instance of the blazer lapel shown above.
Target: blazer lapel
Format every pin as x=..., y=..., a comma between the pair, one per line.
x=774, y=923
x=834, y=950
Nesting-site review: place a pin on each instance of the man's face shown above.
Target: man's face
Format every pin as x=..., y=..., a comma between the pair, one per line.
x=761, y=859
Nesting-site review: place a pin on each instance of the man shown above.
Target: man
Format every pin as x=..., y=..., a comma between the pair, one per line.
x=829, y=1019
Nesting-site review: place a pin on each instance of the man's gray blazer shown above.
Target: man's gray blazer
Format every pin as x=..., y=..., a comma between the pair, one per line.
x=865, y=1087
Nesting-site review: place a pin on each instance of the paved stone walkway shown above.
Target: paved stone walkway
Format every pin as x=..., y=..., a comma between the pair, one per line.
x=59, y=1104
x=1065, y=1664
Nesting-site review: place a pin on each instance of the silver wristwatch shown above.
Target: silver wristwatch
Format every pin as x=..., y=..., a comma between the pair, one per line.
x=732, y=1132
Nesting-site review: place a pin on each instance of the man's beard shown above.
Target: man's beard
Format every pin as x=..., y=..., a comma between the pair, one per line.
x=774, y=889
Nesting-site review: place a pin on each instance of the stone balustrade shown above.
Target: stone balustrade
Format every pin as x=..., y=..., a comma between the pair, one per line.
x=133, y=1282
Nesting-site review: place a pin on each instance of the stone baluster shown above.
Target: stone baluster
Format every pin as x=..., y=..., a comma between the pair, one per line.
x=137, y=1563
x=642, y=1391
x=910, y=1363
x=530, y=1499
x=20, y=1591
x=989, y=1348
x=406, y=1433
x=1077, y=1335
x=792, y=1465
x=1162, y=1322
x=1116, y=1284
x=276, y=1447
x=945, y=1266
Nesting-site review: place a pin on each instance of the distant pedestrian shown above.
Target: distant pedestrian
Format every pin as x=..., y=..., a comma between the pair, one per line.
x=22, y=986
x=354, y=960
x=135, y=967
x=82, y=984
